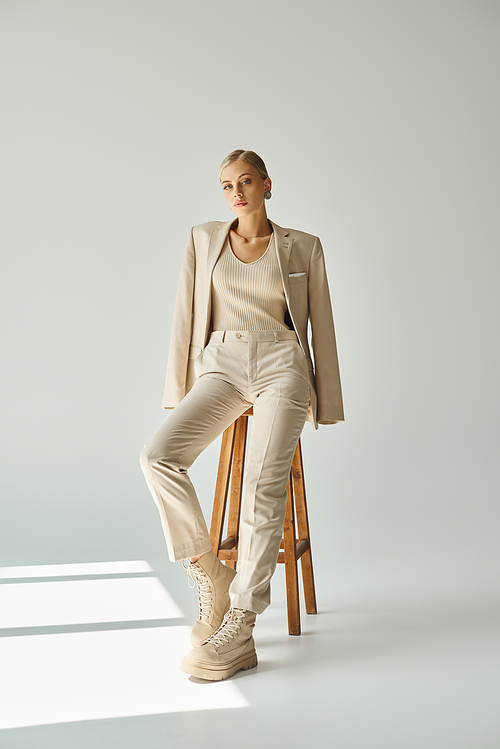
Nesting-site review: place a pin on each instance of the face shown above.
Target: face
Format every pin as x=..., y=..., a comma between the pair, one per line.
x=243, y=187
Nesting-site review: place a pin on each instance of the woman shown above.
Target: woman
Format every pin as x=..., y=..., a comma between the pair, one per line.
x=247, y=291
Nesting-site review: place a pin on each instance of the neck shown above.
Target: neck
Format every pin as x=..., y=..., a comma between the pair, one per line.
x=256, y=225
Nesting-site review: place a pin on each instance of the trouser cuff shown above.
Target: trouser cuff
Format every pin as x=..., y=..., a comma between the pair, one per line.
x=192, y=550
x=248, y=603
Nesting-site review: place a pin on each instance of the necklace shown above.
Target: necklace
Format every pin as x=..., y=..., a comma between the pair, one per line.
x=259, y=236
x=262, y=236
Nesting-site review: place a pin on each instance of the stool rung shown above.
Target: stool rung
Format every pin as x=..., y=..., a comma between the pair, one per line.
x=228, y=556
x=300, y=548
x=228, y=543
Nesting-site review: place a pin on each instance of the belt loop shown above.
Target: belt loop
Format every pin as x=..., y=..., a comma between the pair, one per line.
x=276, y=339
x=223, y=336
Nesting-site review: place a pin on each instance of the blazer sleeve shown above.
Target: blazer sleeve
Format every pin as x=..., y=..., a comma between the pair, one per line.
x=176, y=379
x=330, y=408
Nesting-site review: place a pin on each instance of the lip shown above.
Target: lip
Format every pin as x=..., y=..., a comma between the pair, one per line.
x=239, y=203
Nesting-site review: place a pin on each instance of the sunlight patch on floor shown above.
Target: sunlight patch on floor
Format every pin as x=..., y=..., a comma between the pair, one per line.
x=72, y=570
x=38, y=604
x=60, y=678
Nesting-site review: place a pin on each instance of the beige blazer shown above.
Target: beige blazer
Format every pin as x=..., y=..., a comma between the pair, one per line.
x=308, y=300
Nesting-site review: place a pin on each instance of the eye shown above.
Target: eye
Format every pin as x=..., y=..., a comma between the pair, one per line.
x=226, y=187
x=246, y=181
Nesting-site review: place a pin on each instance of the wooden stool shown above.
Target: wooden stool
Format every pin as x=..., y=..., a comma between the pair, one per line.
x=231, y=467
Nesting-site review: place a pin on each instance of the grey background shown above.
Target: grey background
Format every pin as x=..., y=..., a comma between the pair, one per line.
x=379, y=125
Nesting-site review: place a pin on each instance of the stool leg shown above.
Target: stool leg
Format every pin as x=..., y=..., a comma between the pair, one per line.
x=291, y=576
x=231, y=468
x=221, y=487
x=303, y=530
x=233, y=519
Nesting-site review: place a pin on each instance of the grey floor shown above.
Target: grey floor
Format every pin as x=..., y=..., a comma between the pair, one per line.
x=90, y=659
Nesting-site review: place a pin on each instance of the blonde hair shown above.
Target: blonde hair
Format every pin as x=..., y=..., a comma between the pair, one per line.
x=250, y=157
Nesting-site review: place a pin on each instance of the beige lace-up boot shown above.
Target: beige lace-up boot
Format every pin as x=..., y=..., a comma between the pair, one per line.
x=213, y=579
x=227, y=651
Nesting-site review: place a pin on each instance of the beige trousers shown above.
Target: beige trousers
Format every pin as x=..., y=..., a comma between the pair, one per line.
x=265, y=369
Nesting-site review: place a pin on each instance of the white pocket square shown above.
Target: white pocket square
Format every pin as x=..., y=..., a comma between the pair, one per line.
x=302, y=273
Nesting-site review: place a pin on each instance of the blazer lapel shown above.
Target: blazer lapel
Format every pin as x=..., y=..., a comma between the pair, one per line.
x=283, y=249
x=215, y=245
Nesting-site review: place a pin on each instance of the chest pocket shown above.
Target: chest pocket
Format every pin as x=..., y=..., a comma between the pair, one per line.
x=297, y=277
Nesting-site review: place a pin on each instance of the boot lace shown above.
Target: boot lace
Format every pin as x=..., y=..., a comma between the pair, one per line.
x=205, y=598
x=229, y=629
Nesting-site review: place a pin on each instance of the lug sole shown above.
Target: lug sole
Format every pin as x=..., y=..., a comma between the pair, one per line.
x=244, y=663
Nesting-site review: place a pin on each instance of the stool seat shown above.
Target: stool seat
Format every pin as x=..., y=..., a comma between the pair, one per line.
x=295, y=544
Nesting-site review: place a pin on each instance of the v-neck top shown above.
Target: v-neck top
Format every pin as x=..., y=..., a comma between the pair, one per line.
x=248, y=296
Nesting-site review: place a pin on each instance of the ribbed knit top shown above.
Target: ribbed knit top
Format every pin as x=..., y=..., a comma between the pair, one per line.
x=248, y=296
